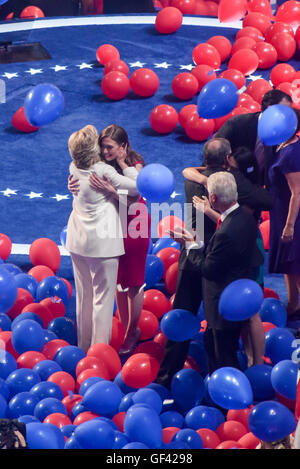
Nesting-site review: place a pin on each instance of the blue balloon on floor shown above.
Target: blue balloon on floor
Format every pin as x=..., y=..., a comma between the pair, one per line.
x=142, y=424
x=180, y=325
x=171, y=418
x=27, y=315
x=120, y=440
x=72, y=443
x=135, y=445
x=260, y=380
x=284, y=378
x=47, y=389
x=11, y=268
x=68, y=430
x=52, y=286
x=8, y=290
x=4, y=389
x=68, y=358
x=103, y=398
x=124, y=388
x=150, y=397
x=94, y=434
x=21, y=380
x=271, y=421
x=230, y=388
x=27, y=335
x=8, y=364
x=44, y=436
x=272, y=310
x=190, y=437
x=28, y=282
x=161, y=390
x=5, y=322
x=240, y=300
x=3, y=407
x=87, y=383
x=279, y=345
x=46, y=368
x=27, y=419
x=154, y=270
x=204, y=417
x=187, y=388
x=165, y=242
x=126, y=402
x=47, y=406
x=217, y=98
x=277, y=124
x=64, y=328
x=22, y=403
x=43, y=104
x=155, y=182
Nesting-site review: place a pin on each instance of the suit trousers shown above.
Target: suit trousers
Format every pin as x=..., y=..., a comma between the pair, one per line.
x=95, y=283
x=221, y=347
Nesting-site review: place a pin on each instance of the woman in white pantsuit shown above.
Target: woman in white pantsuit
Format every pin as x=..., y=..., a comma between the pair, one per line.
x=94, y=237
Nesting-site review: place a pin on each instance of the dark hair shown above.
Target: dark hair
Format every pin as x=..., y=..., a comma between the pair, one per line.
x=246, y=162
x=215, y=152
x=274, y=97
x=119, y=135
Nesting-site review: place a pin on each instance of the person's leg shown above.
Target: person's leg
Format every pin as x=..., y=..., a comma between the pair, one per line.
x=292, y=286
x=253, y=338
x=209, y=344
x=135, y=297
x=226, y=347
x=122, y=305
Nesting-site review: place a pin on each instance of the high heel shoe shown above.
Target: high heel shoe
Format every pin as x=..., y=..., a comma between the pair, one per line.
x=127, y=349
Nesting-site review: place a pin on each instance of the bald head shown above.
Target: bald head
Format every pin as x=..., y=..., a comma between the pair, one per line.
x=215, y=152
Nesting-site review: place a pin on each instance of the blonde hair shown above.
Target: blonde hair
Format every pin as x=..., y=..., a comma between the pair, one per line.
x=84, y=147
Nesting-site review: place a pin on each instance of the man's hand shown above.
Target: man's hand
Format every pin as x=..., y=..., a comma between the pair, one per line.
x=202, y=204
x=181, y=235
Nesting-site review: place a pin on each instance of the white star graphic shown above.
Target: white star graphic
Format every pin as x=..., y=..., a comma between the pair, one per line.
x=174, y=194
x=84, y=65
x=10, y=75
x=187, y=67
x=33, y=195
x=60, y=197
x=8, y=192
x=34, y=71
x=137, y=64
x=254, y=77
x=162, y=65
x=58, y=68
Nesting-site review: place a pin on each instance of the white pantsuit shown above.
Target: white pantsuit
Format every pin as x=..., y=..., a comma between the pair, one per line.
x=95, y=242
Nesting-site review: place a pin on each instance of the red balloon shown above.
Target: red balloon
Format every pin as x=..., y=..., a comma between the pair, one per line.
x=30, y=359
x=51, y=348
x=32, y=12
x=265, y=215
x=139, y=370
x=5, y=246
x=204, y=73
x=265, y=232
x=151, y=348
x=239, y=110
x=185, y=85
x=156, y=302
x=201, y=8
x=285, y=46
x=23, y=299
x=268, y=326
x=288, y=88
x=64, y=380
x=55, y=305
x=231, y=10
x=241, y=416
x=256, y=89
x=270, y=293
x=20, y=122
x=231, y=430
x=261, y=6
x=44, y=251
x=163, y=118
x=289, y=12
x=148, y=325
x=206, y=54
x=185, y=113
x=90, y=363
x=168, y=223
x=237, y=77
x=168, y=256
x=289, y=403
x=118, y=419
x=222, y=44
x=250, y=31
x=198, y=128
x=171, y=278
x=249, y=441
x=41, y=310
x=209, y=438
x=297, y=34
x=144, y=82
x=160, y=339
x=108, y=355
x=282, y=73
x=6, y=344
x=115, y=85
x=91, y=373
x=168, y=20
x=117, y=334
x=229, y=444
x=244, y=42
x=266, y=53
x=278, y=28
x=244, y=60
x=171, y=302
x=212, y=8
x=168, y=433
x=106, y=53
x=190, y=363
x=84, y=417
x=244, y=100
x=70, y=289
x=257, y=20
x=70, y=401
x=116, y=65
x=187, y=7
x=58, y=419
x=39, y=272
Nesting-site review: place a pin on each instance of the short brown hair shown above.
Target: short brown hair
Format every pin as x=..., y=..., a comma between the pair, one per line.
x=84, y=147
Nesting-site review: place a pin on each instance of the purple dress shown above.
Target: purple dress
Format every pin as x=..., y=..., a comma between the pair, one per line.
x=284, y=258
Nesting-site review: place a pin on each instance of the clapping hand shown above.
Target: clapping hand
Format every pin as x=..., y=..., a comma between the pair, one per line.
x=181, y=235
x=202, y=204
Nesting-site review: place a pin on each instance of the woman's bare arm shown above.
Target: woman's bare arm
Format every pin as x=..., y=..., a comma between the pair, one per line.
x=194, y=174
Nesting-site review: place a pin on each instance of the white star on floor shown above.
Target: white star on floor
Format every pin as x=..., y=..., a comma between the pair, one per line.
x=254, y=77
x=8, y=192
x=84, y=65
x=60, y=197
x=137, y=64
x=162, y=65
x=174, y=194
x=33, y=195
x=58, y=68
x=10, y=75
x=187, y=67
x=34, y=71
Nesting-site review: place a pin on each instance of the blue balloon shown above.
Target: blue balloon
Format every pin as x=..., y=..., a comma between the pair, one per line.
x=142, y=424
x=154, y=270
x=68, y=430
x=150, y=397
x=161, y=390
x=49, y=335
x=171, y=418
x=3, y=407
x=190, y=437
x=43, y=104
x=240, y=300
x=8, y=290
x=230, y=388
x=44, y=436
x=64, y=328
x=165, y=242
x=47, y=389
x=272, y=310
x=8, y=364
x=204, y=417
x=27, y=335
x=155, y=182
x=47, y=406
x=27, y=315
x=120, y=440
x=5, y=322
x=126, y=402
x=63, y=237
x=50, y=287
x=217, y=98
x=277, y=124
x=180, y=325
x=68, y=358
x=11, y=268
x=109, y=422
x=22, y=403
x=77, y=409
x=271, y=421
x=87, y=383
x=279, y=345
x=46, y=368
x=28, y=282
x=21, y=380
x=2, y=2
x=27, y=419
x=94, y=434
x=187, y=388
x=4, y=389
x=103, y=398
x=260, y=380
x=72, y=443
x=135, y=445
x=150, y=248
x=198, y=353
x=284, y=378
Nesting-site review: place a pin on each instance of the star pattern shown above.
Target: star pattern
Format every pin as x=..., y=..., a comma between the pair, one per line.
x=59, y=68
x=187, y=67
x=254, y=77
x=84, y=65
x=34, y=195
x=8, y=192
x=10, y=75
x=137, y=64
x=34, y=71
x=163, y=65
x=60, y=197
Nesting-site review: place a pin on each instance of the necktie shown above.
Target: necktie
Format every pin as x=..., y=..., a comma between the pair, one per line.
x=218, y=223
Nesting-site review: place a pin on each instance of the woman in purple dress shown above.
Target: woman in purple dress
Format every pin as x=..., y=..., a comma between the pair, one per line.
x=284, y=252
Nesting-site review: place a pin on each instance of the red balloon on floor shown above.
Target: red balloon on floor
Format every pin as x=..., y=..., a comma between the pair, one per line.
x=222, y=44
x=115, y=85
x=23, y=299
x=106, y=53
x=209, y=438
x=151, y=348
x=117, y=334
x=185, y=85
x=171, y=278
x=256, y=89
x=55, y=306
x=231, y=10
x=168, y=20
x=108, y=355
x=282, y=73
x=64, y=380
x=32, y=12
x=289, y=12
x=261, y=6
x=250, y=31
x=187, y=7
x=204, y=73
x=41, y=310
x=168, y=256
x=270, y=293
x=44, y=251
x=244, y=42
x=198, y=128
x=237, y=77
x=30, y=359
x=266, y=53
x=70, y=401
x=51, y=348
x=116, y=65
x=206, y=54
x=156, y=302
x=139, y=370
x=244, y=60
x=163, y=118
x=148, y=325
x=20, y=122
x=257, y=20
x=39, y=272
x=58, y=419
x=144, y=82
x=278, y=28
x=285, y=46
x=5, y=246
x=84, y=417
x=87, y=363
